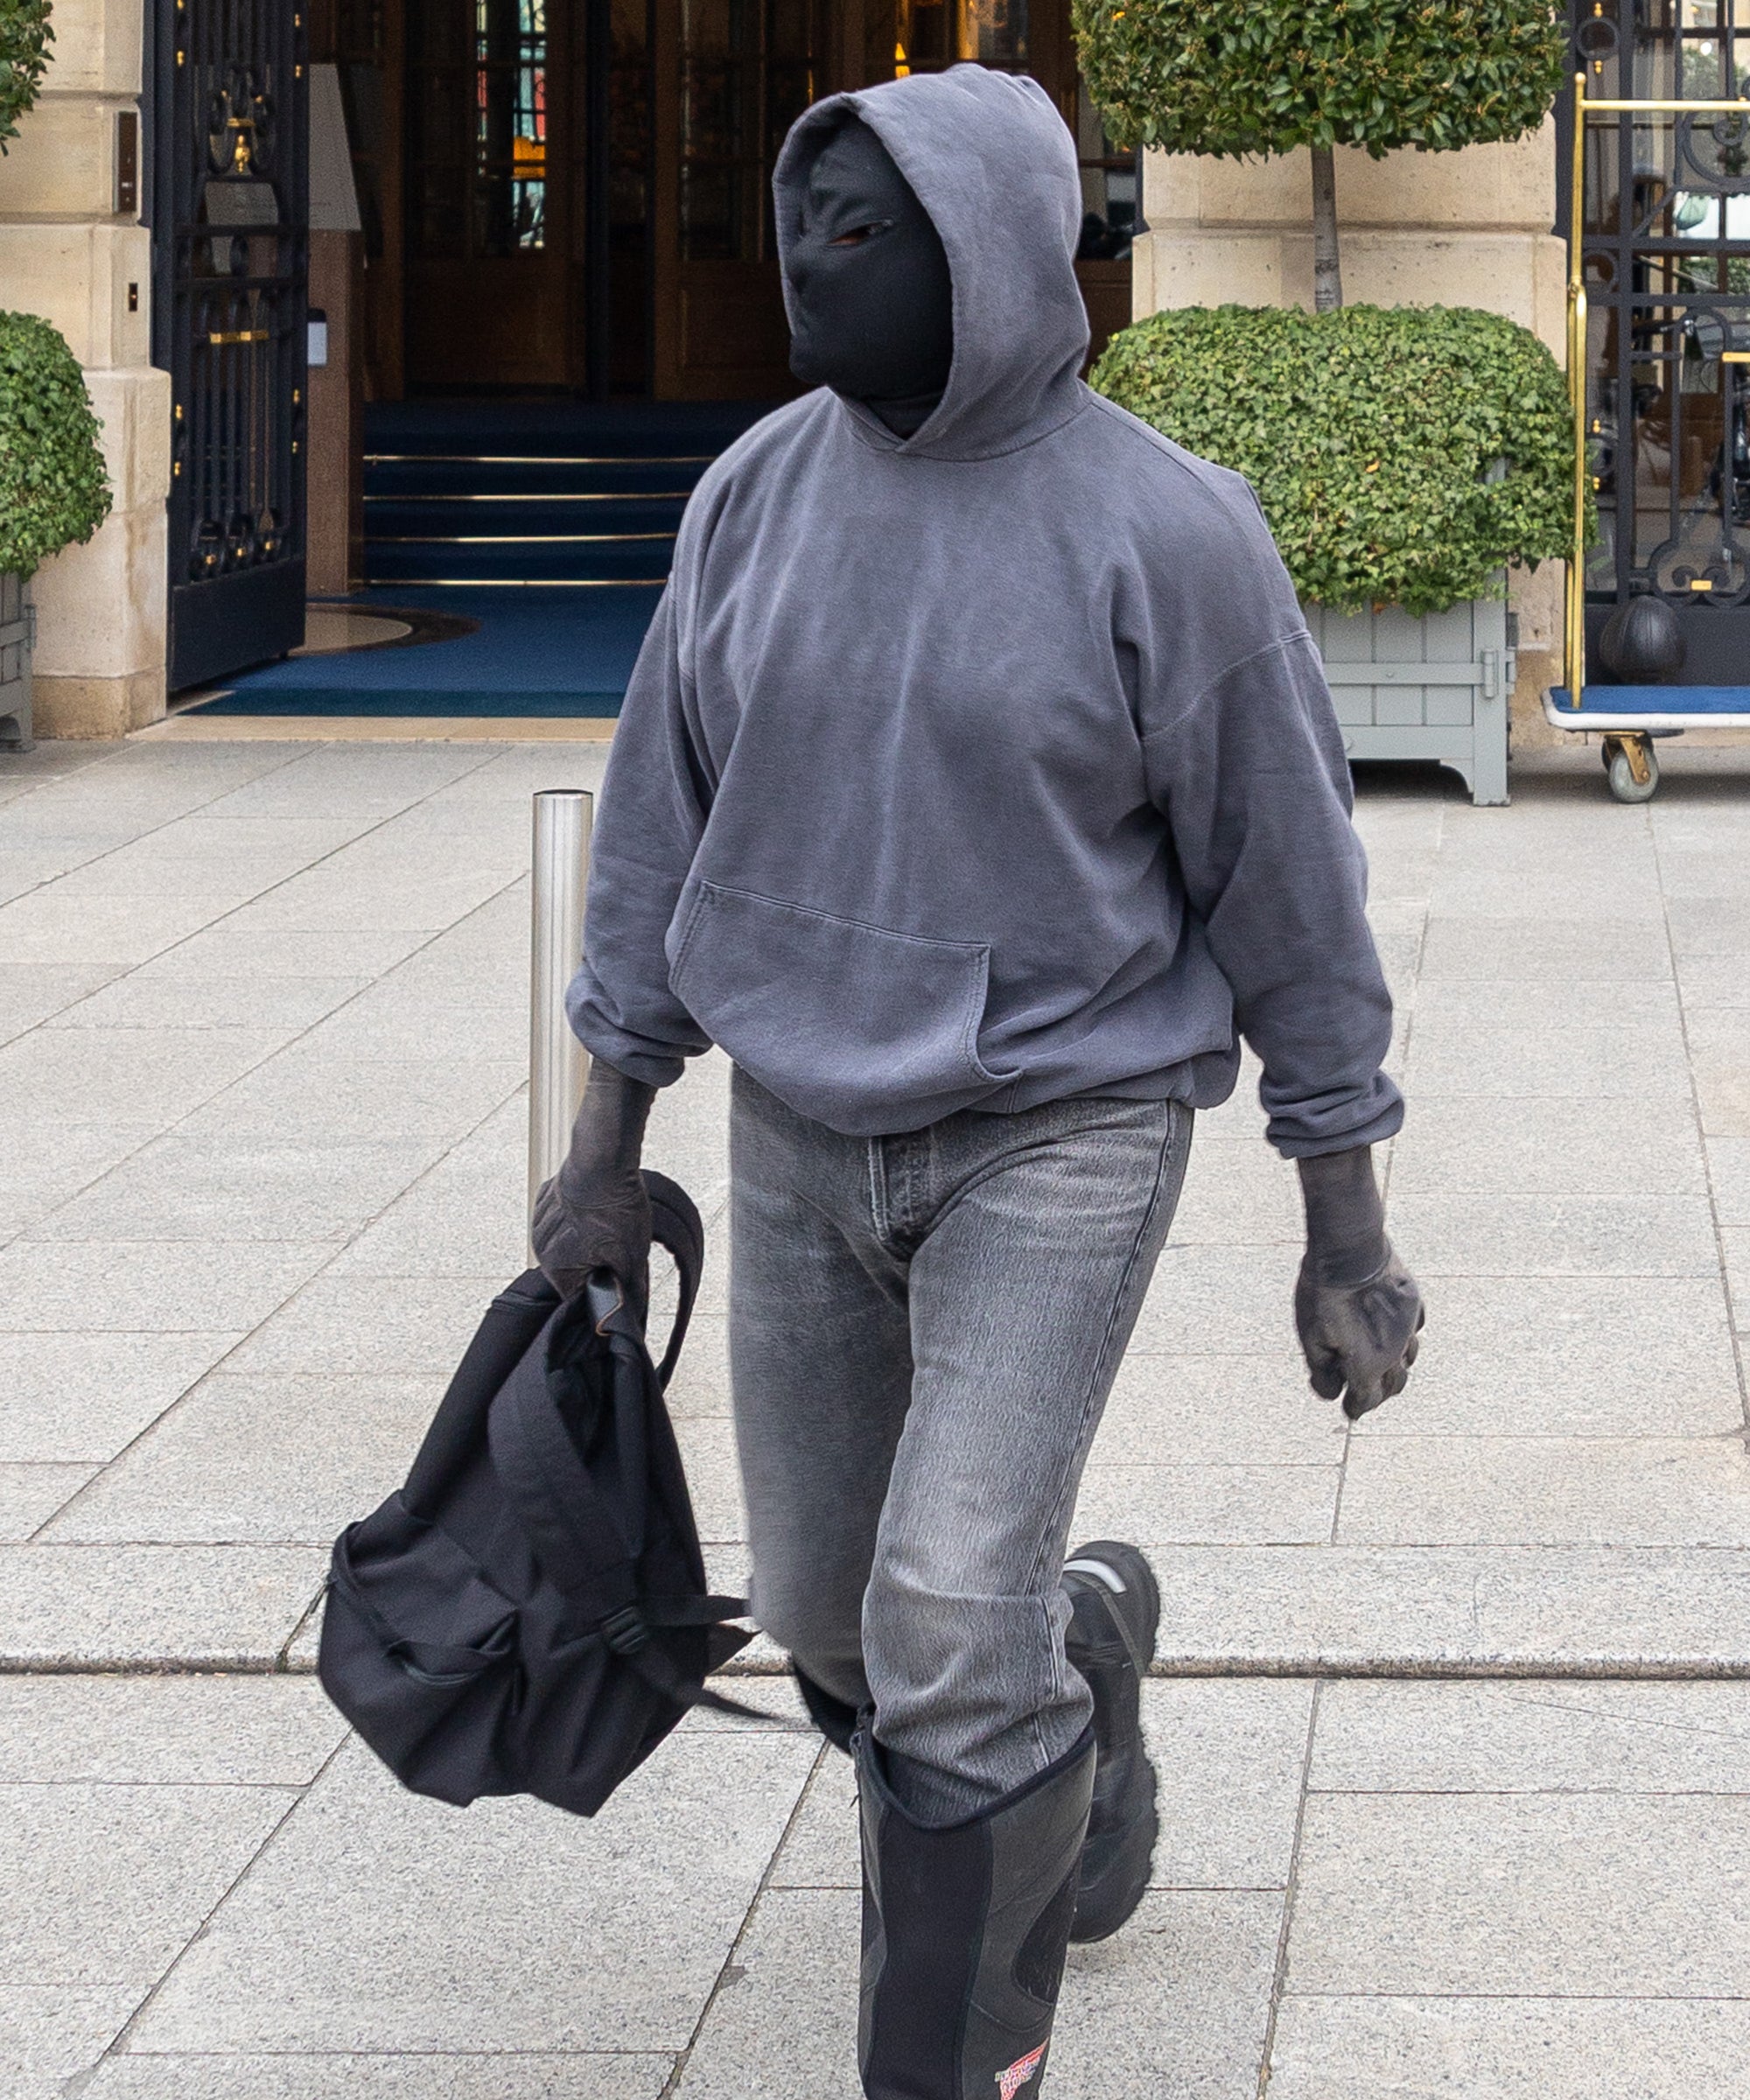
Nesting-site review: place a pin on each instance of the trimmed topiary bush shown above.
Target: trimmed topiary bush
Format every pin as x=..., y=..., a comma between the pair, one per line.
x=1402, y=455
x=1269, y=75
x=54, y=490
x=1265, y=76
x=24, y=40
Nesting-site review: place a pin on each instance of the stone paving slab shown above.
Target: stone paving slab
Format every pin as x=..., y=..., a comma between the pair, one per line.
x=1420, y=1611
x=261, y=1458
x=105, y=1884
x=73, y=1398
x=1463, y=1870
x=1571, y=1355
x=30, y=1494
x=153, y=1606
x=1537, y=1736
x=532, y=2075
x=1504, y=1895
x=503, y=1928
x=150, y=1731
x=1516, y=2048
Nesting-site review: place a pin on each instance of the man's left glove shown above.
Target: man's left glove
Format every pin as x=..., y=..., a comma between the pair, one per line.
x=1357, y=1307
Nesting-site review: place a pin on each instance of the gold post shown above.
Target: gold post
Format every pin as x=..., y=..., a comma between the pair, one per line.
x=1575, y=650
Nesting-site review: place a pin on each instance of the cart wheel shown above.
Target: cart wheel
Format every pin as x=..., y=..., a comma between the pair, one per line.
x=1630, y=781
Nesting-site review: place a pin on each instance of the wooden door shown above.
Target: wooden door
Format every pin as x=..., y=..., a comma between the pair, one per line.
x=486, y=197
x=732, y=77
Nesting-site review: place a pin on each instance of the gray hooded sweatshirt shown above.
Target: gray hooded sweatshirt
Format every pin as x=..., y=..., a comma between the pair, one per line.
x=995, y=765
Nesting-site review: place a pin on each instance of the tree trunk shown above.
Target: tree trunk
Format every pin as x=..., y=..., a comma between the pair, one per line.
x=1327, y=271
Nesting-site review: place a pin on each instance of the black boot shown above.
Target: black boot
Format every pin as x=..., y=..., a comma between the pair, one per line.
x=1115, y=1609
x=965, y=1926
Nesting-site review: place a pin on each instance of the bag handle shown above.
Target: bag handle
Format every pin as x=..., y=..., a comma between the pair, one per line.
x=676, y=1225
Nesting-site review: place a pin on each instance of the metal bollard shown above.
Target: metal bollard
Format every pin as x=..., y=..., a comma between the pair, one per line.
x=558, y=1064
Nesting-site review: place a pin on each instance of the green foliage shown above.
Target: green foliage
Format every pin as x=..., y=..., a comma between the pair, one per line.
x=1264, y=76
x=1402, y=454
x=24, y=40
x=52, y=486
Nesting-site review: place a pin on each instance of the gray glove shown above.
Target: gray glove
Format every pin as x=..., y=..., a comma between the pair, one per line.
x=1357, y=1307
x=594, y=1213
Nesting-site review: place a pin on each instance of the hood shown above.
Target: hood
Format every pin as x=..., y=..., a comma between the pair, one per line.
x=994, y=165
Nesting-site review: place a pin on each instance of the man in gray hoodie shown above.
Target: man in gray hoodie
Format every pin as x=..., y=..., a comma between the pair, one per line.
x=976, y=788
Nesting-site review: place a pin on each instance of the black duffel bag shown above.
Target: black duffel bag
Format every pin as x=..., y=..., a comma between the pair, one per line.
x=528, y=1614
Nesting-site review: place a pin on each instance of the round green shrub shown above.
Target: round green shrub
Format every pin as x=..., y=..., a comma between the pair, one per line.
x=1402, y=455
x=1264, y=76
x=54, y=490
x=24, y=40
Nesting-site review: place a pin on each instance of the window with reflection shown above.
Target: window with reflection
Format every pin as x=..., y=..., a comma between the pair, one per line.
x=1111, y=187
x=477, y=128
x=748, y=75
x=936, y=33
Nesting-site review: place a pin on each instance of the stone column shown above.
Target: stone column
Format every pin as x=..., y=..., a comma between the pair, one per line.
x=1470, y=228
x=68, y=255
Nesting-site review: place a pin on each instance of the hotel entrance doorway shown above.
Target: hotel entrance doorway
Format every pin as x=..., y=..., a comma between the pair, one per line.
x=574, y=195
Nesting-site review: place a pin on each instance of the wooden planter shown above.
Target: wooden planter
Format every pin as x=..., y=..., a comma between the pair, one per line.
x=1431, y=687
x=18, y=631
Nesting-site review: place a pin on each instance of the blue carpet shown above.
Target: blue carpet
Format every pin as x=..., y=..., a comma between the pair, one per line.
x=547, y=653
x=549, y=523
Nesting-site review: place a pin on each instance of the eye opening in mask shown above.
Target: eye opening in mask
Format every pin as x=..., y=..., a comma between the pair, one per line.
x=856, y=235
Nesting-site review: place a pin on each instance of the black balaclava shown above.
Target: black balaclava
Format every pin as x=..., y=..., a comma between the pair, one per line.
x=872, y=300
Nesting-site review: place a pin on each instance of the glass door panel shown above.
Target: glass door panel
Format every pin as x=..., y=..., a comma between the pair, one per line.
x=742, y=71
x=482, y=201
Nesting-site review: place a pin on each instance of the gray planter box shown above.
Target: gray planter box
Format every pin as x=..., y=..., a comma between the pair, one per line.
x=1435, y=687
x=17, y=631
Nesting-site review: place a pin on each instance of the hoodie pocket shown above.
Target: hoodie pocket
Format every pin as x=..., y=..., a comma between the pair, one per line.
x=848, y=1023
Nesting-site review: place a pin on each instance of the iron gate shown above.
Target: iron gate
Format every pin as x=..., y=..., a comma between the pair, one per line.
x=1665, y=256
x=230, y=217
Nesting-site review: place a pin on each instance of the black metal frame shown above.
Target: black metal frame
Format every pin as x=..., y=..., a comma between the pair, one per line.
x=1652, y=328
x=227, y=153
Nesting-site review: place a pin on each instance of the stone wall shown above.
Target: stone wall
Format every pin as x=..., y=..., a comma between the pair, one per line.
x=1419, y=229
x=67, y=254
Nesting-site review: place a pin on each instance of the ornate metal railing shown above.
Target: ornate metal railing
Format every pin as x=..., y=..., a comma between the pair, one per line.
x=229, y=211
x=1657, y=204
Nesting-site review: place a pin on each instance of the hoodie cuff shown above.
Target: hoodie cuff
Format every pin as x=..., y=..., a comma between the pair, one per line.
x=1370, y=1117
x=639, y=1057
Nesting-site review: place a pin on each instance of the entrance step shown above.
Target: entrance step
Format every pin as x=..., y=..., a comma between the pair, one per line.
x=561, y=494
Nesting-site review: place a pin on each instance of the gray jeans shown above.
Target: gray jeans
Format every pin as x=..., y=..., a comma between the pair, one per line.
x=923, y=1333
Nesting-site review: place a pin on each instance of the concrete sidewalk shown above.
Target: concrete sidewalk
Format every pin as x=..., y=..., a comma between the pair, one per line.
x=263, y=1032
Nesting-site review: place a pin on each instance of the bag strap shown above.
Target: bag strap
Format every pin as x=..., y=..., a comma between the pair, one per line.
x=676, y=1225
x=655, y=1667
x=582, y=1539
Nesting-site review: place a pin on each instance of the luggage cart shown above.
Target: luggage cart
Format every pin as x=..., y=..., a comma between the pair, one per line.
x=1630, y=720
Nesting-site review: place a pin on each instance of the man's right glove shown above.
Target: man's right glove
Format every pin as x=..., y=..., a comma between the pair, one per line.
x=1357, y=1307
x=594, y=1213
